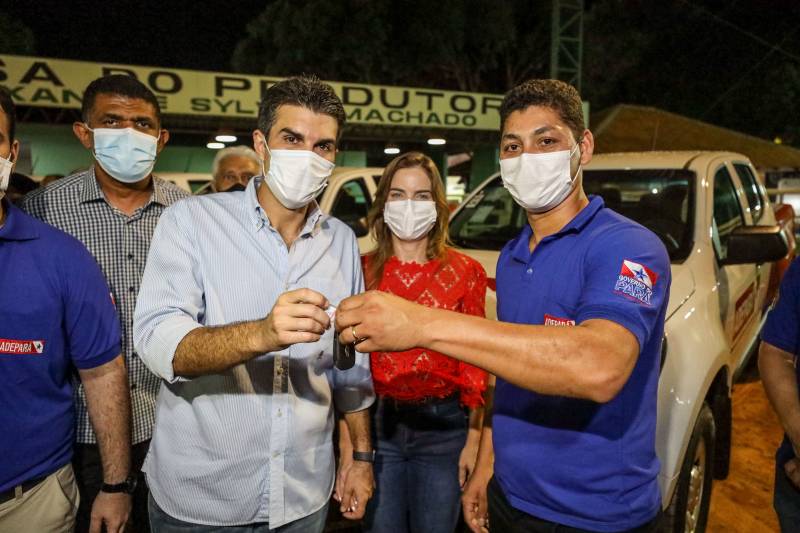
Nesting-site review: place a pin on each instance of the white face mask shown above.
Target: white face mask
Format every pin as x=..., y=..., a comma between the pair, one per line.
x=539, y=182
x=410, y=219
x=5, y=174
x=295, y=177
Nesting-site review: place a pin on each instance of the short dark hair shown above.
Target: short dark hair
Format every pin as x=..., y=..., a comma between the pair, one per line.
x=120, y=85
x=8, y=107
x=561, y=97
x=304, y=91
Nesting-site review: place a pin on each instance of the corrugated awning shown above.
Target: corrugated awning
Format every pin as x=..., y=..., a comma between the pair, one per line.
x=626, y=128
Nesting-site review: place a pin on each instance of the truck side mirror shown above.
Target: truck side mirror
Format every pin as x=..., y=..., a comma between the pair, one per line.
x=756, y=244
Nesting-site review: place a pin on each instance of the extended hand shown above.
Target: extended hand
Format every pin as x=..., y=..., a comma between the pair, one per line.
x=467, y=459
x=792, y=469
x=112, y=510
x=358, y=486
x=474, y=502
x=297, y=317
x=383, y=321
x=345, y=463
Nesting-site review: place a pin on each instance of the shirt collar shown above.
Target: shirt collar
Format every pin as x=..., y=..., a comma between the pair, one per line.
x=92, y=191
x=521, y=248
x=260, y=218
x=17, y=226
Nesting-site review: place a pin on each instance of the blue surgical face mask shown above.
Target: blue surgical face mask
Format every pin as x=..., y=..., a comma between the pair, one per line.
x=126, y=154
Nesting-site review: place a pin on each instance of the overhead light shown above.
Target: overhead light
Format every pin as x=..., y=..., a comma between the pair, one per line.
x=215, y=145
x=226, y=138
x=391, y=149
x=435, y=141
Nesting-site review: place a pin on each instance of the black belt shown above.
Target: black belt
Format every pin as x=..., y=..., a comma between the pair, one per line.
x=11, y=493
x=419, y=402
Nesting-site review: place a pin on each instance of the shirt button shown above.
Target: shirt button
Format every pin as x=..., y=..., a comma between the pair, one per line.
x=276, y=454
x=529, y=271
x=131, y=289
x=280, y=413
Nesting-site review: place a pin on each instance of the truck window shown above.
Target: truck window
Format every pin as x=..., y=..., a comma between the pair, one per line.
x=751, y=190
x=727, y=211
x=662, y=200
x=351, y=206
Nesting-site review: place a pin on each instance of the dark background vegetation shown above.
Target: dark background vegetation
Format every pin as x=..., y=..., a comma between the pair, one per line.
x=735, y=63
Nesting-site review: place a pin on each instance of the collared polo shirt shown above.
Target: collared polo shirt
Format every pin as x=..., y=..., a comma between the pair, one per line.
x=572, y=461
x=56, y=314
x=252, y=443
x=782, y=330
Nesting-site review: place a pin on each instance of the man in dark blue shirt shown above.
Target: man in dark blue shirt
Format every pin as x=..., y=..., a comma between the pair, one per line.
x=582, y=297
x=777, y=362
x=56, y=316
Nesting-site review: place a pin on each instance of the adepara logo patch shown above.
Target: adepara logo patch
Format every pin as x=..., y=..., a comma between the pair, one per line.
x=21, y=347
x=550, y=320
x=636, y=281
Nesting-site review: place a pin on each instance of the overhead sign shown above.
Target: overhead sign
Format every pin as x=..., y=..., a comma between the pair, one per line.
x=42, y=82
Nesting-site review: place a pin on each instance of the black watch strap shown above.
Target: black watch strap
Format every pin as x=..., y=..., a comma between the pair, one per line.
x=128, y=486
x=367, y=457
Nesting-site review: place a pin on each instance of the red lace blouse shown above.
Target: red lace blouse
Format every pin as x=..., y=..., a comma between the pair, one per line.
x=457, y=284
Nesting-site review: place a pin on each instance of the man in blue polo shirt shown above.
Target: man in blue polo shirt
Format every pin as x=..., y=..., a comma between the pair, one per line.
x=56, y=315
x=777, y=363
x=582, y=297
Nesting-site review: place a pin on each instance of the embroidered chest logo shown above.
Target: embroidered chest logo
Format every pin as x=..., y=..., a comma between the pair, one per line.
x=18, y=347
x=550, y=320
x=636, y=281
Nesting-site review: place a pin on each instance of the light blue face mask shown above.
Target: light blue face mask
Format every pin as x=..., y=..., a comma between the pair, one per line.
x=126, y=154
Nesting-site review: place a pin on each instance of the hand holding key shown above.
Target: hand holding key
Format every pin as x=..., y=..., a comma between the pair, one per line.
x=297, y=317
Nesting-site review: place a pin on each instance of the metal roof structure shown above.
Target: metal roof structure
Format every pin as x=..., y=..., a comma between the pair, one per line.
x=626, y=128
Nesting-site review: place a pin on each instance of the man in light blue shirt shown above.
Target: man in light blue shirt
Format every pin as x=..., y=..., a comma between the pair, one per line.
x=232, y=316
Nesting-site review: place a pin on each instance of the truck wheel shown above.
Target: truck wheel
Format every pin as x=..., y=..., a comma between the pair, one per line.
x=688, y=510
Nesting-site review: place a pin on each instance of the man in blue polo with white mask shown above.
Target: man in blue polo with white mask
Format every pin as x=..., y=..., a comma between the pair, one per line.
x=234, y=315
x=113, y=208
x=581, y=303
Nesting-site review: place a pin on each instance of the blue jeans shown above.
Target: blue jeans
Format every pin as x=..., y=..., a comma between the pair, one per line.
x=161, y=522
x=787, y=501
x=416, y=466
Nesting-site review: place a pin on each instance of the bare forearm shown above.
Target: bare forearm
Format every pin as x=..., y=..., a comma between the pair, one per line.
x=109, y=406
x=476, y=419
x=780, y=382
x=210, y=350
x=486, y=449
x=567, y=361
x=358, y=426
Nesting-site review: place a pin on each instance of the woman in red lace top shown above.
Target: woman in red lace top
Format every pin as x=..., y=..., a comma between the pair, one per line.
x=426, y=443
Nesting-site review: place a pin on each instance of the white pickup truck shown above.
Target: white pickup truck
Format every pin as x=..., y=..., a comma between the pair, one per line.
x=717, y=224
x=719, y=228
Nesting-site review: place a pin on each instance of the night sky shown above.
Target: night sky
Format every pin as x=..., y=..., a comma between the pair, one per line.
x=170, y=33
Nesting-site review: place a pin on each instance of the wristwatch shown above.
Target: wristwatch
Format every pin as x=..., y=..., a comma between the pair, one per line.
x=127, y=486
x=367, y=457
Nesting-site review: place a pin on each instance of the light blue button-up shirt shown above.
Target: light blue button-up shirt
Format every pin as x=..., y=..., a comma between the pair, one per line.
x=253, y=443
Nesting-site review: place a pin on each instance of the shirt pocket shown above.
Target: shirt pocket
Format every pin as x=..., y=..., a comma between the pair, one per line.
x=334, y=291
x=558, y=312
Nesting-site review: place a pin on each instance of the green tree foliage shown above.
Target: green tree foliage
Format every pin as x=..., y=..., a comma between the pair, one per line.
x=735, y=64
x=472, y=45
x=15, y=37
